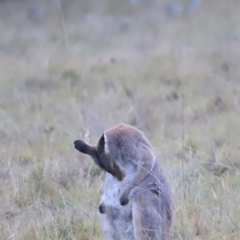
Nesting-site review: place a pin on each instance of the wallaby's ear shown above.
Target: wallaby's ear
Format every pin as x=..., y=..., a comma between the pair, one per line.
x=83, y=147
x=102, y=146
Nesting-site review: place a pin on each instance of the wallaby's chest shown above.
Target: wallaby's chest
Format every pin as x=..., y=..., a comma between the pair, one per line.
x=118, y=218
x=113, y=188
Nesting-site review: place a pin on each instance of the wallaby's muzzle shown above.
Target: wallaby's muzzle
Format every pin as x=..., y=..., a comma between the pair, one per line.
x=81, y=146
x=104, y=161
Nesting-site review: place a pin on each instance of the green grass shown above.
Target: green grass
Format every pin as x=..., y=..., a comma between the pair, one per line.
x=176, y=79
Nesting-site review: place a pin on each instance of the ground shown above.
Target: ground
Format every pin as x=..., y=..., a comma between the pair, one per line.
x=71, y=69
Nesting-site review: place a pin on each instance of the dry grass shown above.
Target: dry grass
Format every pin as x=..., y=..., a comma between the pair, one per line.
x=76, y=69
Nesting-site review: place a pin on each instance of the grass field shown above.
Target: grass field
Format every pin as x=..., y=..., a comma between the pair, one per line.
x=72, y=69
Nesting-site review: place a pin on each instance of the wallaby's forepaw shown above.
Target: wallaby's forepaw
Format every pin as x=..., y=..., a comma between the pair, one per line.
x=102, y=208
x=124, y=199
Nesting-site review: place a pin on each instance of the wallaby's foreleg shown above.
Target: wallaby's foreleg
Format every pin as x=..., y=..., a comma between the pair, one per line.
x=144, y=166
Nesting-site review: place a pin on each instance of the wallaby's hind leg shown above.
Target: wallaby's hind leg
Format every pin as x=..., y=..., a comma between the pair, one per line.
x=147, y=221
x=108, y=228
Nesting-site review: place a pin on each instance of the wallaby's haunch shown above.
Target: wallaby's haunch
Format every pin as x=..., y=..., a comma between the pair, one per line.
x=136, y=203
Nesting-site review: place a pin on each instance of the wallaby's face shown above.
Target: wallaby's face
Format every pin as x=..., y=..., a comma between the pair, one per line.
x=102, y=157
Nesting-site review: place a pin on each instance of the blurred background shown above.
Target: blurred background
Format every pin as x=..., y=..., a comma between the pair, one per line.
x=70, y=69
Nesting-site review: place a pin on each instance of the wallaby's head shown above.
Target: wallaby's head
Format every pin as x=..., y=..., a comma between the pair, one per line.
x=102, y=156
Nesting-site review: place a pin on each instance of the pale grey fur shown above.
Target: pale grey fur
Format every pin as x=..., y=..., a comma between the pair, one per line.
x=136, y=202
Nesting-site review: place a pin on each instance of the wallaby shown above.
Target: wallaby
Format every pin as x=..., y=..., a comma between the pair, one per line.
x=136, y=202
